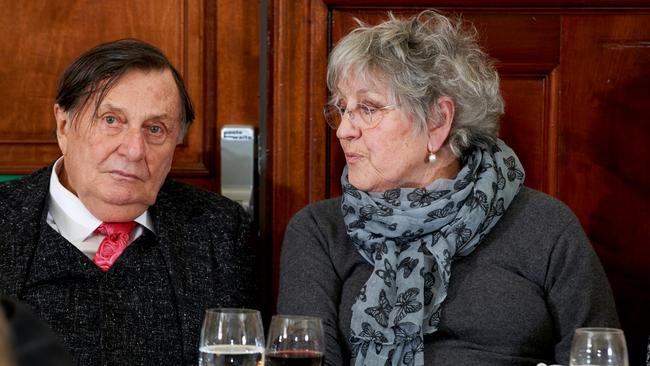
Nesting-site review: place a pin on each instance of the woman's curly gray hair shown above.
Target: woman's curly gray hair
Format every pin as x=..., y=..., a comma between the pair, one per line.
x=422, y=59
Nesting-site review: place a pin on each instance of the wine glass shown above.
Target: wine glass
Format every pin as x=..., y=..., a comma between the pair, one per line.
x=231, y=337
x=295, y=341
x=598, y=346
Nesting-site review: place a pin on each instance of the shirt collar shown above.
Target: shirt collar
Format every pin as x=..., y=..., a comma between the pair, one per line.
x=71, y=216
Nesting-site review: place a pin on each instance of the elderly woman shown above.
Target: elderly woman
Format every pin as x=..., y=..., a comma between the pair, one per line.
x=436, y=254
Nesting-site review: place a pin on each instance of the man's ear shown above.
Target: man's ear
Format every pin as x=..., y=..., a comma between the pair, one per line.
x=63, y=125
x=439, y=130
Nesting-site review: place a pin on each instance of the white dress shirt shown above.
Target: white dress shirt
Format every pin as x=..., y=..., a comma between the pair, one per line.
x=70, y=218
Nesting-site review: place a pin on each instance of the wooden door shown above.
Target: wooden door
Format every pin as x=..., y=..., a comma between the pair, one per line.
x=576, y=81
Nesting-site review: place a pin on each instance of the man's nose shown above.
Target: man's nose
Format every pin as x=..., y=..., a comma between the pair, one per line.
x=133, y=144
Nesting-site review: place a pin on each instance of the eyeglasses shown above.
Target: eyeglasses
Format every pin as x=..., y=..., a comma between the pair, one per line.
x=370, y=116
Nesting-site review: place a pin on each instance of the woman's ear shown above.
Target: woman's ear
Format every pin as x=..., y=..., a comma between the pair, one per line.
x=439, y=130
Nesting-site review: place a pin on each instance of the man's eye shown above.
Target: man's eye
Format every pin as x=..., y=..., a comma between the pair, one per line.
x=155, y=130
x=110, y=120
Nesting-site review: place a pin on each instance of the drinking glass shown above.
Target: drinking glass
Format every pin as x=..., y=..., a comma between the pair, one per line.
x=295, y=341
x=598, y=346
x=231, y=337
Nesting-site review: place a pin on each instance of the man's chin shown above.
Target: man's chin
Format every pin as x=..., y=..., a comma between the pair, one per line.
x=119, y=213
x=118, y=207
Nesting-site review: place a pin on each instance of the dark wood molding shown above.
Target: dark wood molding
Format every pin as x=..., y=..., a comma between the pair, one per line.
x=492, y=4
x=296, y=129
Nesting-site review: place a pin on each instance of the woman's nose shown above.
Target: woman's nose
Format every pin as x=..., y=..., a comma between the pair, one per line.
x=347, y=129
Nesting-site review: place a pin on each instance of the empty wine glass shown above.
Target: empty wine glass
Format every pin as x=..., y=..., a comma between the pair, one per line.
x=231, y=337
x=598, y=346
x=295, y=341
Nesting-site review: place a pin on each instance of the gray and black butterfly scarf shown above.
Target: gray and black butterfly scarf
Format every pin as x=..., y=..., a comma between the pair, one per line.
x=411, y=236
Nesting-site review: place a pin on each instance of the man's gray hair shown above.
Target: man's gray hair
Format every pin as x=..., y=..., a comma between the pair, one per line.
x=420, y=60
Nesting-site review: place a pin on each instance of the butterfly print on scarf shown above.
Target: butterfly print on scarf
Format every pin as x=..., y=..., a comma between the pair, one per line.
x=368, y=250
x=347, y=210
x=362, y=294
x=392, y=196
x=408, y=265
x=382, y=311
x=479, y=200
x=495, y=210
x=463, y=235
x=358, y=345
x=366, y=212
x=389, y=359
x=446, y=262
x=484, y=167
x=406, y=332
x=387, y=274
x=416, y=346
x=429, y=282
x=434, y=320
x=441, y=212
x=404, y=241
x=423, y=248
x=500, y=184
x=463, y=182
x=350, y=190
x=513, y=172
x=421, y=197
x=407, y=303
x=375, y=336
x=383, y=210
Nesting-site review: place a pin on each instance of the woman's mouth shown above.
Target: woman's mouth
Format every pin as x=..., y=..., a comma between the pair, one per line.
x=353, y=157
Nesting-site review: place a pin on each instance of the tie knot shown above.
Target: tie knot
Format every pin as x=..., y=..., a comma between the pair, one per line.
x=116, y=228
x=116, y=238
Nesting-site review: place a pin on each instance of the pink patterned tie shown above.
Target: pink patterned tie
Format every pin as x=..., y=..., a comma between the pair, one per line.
x=115, y=241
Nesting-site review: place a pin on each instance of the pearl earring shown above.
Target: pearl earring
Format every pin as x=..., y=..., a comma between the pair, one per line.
x=432, y=157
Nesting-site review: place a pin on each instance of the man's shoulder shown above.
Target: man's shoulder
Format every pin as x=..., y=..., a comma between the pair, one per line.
x=187, y=199
x=34, y=186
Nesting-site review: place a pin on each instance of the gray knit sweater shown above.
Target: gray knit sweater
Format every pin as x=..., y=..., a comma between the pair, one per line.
x=515, y=300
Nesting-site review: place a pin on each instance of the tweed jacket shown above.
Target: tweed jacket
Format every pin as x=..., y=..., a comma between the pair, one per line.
x=202, y=237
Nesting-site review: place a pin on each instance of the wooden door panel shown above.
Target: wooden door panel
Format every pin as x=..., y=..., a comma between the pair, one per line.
x=528, y=127
x=604, y=152
x=513, y=36
x=40, y=38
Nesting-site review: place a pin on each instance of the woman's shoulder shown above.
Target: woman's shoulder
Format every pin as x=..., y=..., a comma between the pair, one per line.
x=319, y=224
x=540, y=209
x=535, y=226
x=325, y=212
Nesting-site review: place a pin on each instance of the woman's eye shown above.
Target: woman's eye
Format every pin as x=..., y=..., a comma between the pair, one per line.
x=368, y=110
x=110, y=120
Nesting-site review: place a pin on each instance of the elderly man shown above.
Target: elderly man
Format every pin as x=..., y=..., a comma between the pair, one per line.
x=119, y=260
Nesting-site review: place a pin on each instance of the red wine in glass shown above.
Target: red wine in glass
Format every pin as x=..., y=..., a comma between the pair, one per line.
x=294, y=358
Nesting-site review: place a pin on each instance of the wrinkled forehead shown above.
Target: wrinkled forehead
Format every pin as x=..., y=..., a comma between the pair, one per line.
x=156, y=85
x=357, y=80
